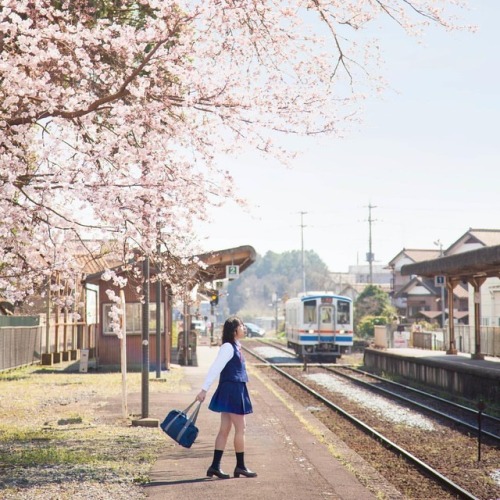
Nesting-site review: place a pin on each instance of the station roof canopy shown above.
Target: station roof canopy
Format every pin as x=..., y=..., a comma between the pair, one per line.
x=480, y=262
x=217, y=261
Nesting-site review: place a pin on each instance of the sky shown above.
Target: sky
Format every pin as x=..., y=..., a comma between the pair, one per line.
x=426, y=158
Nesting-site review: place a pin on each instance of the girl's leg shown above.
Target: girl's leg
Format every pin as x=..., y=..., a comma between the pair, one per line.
x=225, y=427
x=239, y=431
x=220, y=444
x=239, y=446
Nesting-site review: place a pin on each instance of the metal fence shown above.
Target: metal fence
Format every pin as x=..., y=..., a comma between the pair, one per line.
x=388, y=336
x=23, y=343
x=20, y=345
x=429, y=340
x=489, y=338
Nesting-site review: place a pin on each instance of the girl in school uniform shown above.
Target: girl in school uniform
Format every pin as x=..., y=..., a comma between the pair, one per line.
x=231, y=398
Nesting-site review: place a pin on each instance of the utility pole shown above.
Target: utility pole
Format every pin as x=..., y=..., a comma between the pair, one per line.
x=302, y=246
x=275, y=301
x=370, y=256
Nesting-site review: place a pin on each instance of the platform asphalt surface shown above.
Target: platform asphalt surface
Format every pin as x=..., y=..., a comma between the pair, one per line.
x=294, y=455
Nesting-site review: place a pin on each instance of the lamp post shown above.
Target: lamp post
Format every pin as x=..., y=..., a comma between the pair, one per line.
x=145, y=340
x=441, y=253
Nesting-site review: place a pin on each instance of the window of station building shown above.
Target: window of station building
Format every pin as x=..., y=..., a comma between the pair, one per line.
x=310, y=311
x=133, y=316
x=343, y=312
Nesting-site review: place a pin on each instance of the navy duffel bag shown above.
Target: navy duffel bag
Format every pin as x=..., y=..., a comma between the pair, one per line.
x=180, y=426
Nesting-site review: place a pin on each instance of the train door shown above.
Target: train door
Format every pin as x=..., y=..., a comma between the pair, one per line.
x=326, y=326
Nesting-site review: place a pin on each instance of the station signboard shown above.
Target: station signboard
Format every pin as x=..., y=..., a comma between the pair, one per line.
x=232, y=272
x=440, y=280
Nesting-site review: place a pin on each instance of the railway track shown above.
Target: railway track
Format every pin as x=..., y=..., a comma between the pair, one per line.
x=475, y=420
x=425, y=452
x=430, y=403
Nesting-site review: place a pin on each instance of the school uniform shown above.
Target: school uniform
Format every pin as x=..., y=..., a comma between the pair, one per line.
x=231, y=395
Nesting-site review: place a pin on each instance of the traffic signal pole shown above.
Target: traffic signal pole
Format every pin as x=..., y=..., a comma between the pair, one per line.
x=212, y=314
x=214, y=300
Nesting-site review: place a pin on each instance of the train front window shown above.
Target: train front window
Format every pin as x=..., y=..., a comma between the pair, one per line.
x=343, y=312
x=310, y=311
x=326, y=315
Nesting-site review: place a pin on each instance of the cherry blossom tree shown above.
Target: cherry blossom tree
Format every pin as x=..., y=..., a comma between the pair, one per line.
x=112, y=112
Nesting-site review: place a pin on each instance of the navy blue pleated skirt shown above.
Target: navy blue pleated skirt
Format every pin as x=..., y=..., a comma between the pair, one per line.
x=231, y=397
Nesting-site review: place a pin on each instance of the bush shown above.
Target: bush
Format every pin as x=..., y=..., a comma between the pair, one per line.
x=366, y=326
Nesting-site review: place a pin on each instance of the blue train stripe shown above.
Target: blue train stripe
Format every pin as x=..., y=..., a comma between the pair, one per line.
x=343, y=338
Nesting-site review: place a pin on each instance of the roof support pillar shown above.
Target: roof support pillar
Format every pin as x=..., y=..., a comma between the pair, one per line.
x=450, y=285
x=476, y=282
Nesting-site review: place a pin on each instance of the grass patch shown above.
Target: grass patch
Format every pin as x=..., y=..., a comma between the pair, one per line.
x=69, y=421
x=10, y=434
x=43, y=456
x=15, y=374
x=55, y=430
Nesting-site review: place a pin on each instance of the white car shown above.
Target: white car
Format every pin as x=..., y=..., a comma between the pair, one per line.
x=199, y=325
x=254, y=330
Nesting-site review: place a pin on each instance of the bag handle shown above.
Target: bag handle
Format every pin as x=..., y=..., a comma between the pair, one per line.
x=190, y=406
x=192, y=418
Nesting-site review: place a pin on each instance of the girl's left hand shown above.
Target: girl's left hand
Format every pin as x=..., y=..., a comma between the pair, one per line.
x=201, y=396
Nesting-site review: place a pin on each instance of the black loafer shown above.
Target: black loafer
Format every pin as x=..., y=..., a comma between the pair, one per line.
x=244, y=472
x=217, y=472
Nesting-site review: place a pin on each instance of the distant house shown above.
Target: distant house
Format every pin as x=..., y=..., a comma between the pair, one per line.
x=352, y=283
x=379, y=274
x=474, y=239
x=424, y=296
x=422, y=301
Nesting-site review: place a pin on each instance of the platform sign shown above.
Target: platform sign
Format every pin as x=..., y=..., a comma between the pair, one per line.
x=440, y=280
x=232, y=272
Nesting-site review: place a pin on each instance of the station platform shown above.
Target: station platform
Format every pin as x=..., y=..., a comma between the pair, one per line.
x=455, y=373
x=461, y=357
x=294, y=454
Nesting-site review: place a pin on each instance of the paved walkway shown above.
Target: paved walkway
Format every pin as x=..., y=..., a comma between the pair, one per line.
x=295, y=456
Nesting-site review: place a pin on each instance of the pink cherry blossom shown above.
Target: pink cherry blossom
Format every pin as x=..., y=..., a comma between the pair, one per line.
x=111, y=118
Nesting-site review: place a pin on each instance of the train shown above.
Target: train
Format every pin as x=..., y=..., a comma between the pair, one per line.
x=319, y=324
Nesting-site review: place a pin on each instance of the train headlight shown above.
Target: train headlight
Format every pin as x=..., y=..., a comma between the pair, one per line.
x=311, y=331
x=341, y=331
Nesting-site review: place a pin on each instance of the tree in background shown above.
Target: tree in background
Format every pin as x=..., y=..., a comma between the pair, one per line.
x=112, y=113
x=251, y=294
x=372, y=307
